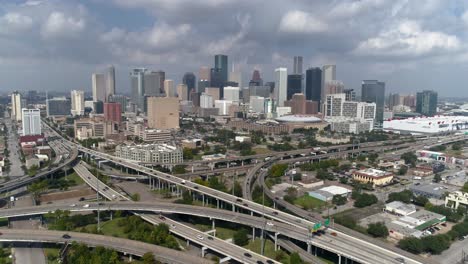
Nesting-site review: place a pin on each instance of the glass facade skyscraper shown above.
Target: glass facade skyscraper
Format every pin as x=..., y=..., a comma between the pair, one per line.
x=373, y=91
x=426, y=103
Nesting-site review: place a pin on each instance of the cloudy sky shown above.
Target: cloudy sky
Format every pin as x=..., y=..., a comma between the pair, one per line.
x=409, y=44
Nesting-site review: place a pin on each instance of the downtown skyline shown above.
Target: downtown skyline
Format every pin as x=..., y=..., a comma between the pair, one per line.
x=59, y=44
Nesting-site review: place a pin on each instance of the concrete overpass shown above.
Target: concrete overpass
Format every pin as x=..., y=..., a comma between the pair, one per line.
x=126, y=246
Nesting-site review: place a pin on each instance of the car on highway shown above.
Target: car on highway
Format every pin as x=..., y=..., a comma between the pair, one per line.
x=173, y=226
x=210, y=238
x=183, y=182
x=269, y=223
x=200, y=237
x=66, y=236
x=401, y=260
x=162, y=217
x=72, y=205
x=247, y=255
x=86, y=206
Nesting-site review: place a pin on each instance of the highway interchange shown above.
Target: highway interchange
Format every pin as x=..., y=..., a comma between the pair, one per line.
x=284, y=224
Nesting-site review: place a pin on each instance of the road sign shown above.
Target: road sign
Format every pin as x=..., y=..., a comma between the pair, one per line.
x=327, y=222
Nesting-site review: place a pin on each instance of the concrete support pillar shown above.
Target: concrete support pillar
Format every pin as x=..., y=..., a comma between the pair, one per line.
x=213, y=226
x=203, y=200
x=315, y=251
x=193, y=169
x=233, y=207
x=188, y=243
x=217, y=203
x=203, y=252
x=253, y=233
x=339, y=259
x=276, y=241
x=309, y=248
x=242, y=163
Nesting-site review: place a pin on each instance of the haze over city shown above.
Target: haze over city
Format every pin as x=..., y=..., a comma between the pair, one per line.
x=408, y=44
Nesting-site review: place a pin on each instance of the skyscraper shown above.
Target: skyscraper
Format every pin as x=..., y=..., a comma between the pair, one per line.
x=58, y=106
x=110, y=82
x=99, y=87
x=297, y=69
x=294, y=85
x=393, y=100
x=163, y=112
x=77, y=103
x=182, y=92
x=204, y=73
x=328, y=75
x=119, y=98
x=350, y=94
x=154, y=83
x=373, y=91
x=281, y=85
x=16, y=106
x=190, y=80
x=217, y=80
x=256, y=79
x=169, y=88
x=313, y=88
x=137, y=78
x=221, y=62
x=31, y=121
x=113, y=112
x=235, y=76
x=231, y=93
x=426, y=103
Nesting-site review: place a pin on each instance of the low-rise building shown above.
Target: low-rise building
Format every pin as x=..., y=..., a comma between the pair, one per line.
x=326, y=193
x=150, y=153
x=192, y=143
x=242, y=139
x=213, y=157
x=429, y=190
x=399, y=208
x=422, y=171
x=373, y=176
x=455, y=199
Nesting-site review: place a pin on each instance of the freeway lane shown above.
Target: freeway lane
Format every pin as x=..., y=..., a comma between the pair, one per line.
x=216, y=244
x=128, y=246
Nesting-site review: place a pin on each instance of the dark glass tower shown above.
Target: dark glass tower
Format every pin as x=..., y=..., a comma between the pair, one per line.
x=294, y=85
x=190, y=80
x=221, y=63
x=373, y=91
x=426, y=103
x=313, y=89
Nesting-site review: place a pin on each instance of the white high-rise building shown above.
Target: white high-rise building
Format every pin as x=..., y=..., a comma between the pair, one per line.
x=182, y=92
x=231, y=93
x=169, y=88
x=110, y=89
x=281, y=86
x=257, y=104
x=206, y=101
x=235, y=75
x=328, y=75
x=77, y=103
x=99, y=87
x=223, y=106
x=31, y=121
x=16, y=106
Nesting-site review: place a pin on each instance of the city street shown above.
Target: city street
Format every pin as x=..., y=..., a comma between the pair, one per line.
x=13, y=147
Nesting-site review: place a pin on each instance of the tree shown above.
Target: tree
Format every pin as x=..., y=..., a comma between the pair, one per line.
x=377, y=229
x=437, y=178
x=278, y=170
x=457, y=146
x=148, y=258
x=402, y=170
x=339, y=200
x=404, y=196
x=236, y=189
x=436, y=244
x=409, y=158
x=179, y=169
x=411, y=244
x=188, y=154
x=240, y=238
x=291, y=195
x=294, y=258
x=420, y=200
x=364, y=200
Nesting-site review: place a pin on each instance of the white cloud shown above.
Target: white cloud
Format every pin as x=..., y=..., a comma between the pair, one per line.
x=163, y=35
x=15, y=22
x=60, y=25
x=352, y=8
x=408, y=39
x=464, y=17
x=170, y=4
x=301, y=22
x=32, y=3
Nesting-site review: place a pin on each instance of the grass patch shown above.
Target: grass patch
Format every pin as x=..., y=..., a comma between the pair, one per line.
x=109, y=228
x=309, y=203
x=75, y=178
x=260, y=151
x=221, y=232
x=52, y=255
x=270, y=252
x=5, y=256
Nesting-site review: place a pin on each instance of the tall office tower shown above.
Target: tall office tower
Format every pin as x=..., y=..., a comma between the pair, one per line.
x=154, y=83
x=113, y=112
x=137, y=82
x=333, y=87
x=195, y=98
x=31, y=121
x=256, y=79
x=328, y=75
x=231, y=93
x=393, y=100
x=16, y=106
x=204, y=73
x=190, y=80
x=99, y=87
x=213, y=91
x=169, y=88
x=77, y=103
x=110, y=82
x=163, y=112
x=119, y=98
x=217, y=80
x=281, y=86
x=235, y=76
x=426, y=103
x=98, y=107
x=202, y=84
x=206, y=100
x=182, y=92
x=262, y=91
x=297, y=69
x=313, y=88
x=333, y=105
x=294, y=85
x=272, y=86
x=373, y=91
x=350, y=94
x=58, y=106
x=409, y=100
x=298, y=104
x=221, y=62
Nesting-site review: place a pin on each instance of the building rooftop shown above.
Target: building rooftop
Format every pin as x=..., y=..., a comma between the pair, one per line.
x=299, y=119
x=401, y=207
x=370, y=172
x=335, y=190
x=432, y=188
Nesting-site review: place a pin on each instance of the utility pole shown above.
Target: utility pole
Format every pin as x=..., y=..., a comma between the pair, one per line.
x=97, y=198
